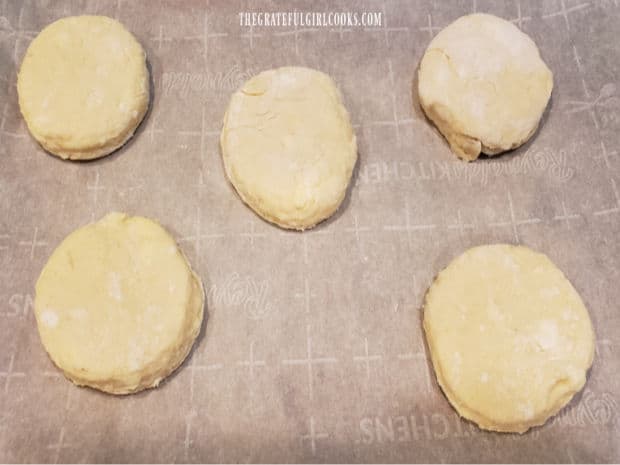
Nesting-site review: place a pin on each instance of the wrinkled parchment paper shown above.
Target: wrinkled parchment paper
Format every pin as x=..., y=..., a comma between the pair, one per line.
x=313, y=349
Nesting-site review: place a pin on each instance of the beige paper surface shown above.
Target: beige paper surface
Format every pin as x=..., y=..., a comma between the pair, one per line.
x=313, y=349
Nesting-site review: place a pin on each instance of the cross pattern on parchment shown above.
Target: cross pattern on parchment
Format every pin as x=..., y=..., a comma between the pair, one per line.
x=313, y=436
x=385, y=29
x=589, y=104
x=117, y=11
x=307, y=295
x=252, y=234
x=203, y=133
x=250, y=35
x=565, y=12
x=616, y=207
x=395, y=122
x=194, y=367
x=295, y=32
x=430, y=28
x=9, y=373
x=341, y=30
x=205, y=36
x=310, y=361
x=161, y=38
x=304, y=240
x=367, y=358
x=59, y=445
x=95, y=187
x=606, y=155
x=21, y=34
x=187, y=440
x=417, y=357
x=520, y=19
x=152, y=128
x=199, y=235
x=33, y=243
x=513, y=222
x=356, y=229
x=123, y=191
x=460, y=225
x=252, y=363
x=409, y=227
x=71, y=388
x=577, y=59
x=565, y=216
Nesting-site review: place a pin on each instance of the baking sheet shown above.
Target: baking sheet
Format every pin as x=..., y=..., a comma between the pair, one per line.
x=313, y=349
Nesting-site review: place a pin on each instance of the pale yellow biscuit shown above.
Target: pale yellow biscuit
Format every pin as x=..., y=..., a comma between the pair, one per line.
x=483, y=83
x=117, y=305
x=83, y=86
x=509, y=337
x=288, y=146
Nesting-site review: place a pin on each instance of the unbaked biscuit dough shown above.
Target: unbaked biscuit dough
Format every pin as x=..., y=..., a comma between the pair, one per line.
x=117, y=305
x=509, y=337
x=288, y=146
x=83, y=86
x=483, y=83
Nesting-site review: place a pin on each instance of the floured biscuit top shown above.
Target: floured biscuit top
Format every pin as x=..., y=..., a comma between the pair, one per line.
x=510, y=338
x=288, y=146
x=483, y=83
x=117, y=305
x=83, y=86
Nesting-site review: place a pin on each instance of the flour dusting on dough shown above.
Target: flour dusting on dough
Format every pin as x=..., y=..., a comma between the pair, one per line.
x=114, y=286
x=49, y=318
x=118, y=328
x=526, y=410
x=518, y=356
x=547, y=336
x=71, y=80
x=135, y=355
x=549, y=292
x=483, y=83
x=79, y=313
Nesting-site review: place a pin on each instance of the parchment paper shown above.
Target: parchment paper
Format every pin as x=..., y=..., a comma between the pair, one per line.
x=313, y=349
